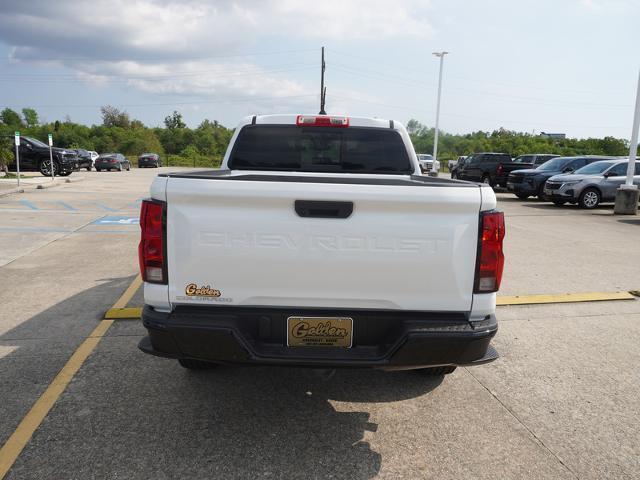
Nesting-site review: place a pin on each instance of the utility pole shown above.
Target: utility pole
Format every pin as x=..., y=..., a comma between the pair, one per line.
x=323, y=89
x=627, y=194
x=435, y=139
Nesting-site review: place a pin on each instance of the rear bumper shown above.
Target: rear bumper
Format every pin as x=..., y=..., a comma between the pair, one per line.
x=381, y=339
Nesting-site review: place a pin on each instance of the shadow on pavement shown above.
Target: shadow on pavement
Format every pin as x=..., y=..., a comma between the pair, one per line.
x=630, y=221
x=129, y=415
x=568, y=206
x=34, y=351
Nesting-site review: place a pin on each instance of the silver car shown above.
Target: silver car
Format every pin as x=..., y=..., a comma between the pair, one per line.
x=590, y=185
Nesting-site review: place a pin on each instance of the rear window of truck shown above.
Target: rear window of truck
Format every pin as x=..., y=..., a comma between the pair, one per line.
x=320, y=149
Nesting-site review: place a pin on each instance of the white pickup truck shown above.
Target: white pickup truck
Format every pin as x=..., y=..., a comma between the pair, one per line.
x=318, y=243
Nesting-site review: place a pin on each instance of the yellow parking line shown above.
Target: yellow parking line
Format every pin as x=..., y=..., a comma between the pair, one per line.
x=135, y=313
x=128, y=293
x=22, y=434
x=124, y=313
x=32, y=420
x=563, y=298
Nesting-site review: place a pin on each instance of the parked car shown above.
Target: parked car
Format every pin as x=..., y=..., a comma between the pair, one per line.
x=34, y=157
x=428, y=164
x=458, y=165
x=530, y=182
x=285, y=257
x=149, y=160
x=84, y=159
x=591, y=185
x=112, y=161
x=521, y=162
x=453, y=163
x=482, y=167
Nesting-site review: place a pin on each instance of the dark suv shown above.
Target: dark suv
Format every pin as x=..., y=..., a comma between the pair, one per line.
x=34, y=157
x=84, y=159
x=482, y=167
x=530, y=182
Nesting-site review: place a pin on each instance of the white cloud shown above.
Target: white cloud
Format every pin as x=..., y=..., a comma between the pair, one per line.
x=176, y=47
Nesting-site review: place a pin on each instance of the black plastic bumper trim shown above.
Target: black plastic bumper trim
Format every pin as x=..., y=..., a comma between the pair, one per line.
x=227, y=335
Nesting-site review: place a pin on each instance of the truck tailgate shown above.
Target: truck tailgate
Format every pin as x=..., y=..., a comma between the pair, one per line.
x=406, y=245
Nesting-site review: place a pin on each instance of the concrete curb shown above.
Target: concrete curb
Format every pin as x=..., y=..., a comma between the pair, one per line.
x=41, y=186
x=11, y=191
x=74, y=179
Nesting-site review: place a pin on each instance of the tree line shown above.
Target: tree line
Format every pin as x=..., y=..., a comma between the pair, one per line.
x=511, y=142
x=204, y=146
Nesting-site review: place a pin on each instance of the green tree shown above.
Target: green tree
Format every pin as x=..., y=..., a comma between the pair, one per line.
x=11, y=118
x=113, y=117
x=174, y=121
x=30, y=117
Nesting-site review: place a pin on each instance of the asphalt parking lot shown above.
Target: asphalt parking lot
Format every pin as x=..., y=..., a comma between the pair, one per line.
x=560, y=403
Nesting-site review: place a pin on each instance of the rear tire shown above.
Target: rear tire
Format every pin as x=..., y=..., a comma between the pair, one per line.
x=190, y=364
x=522, y=196
x=486, y=179
x=437, y=371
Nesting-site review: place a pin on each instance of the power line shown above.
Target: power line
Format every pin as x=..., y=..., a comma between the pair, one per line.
x=499, y=96
x=47, y=78
x=195, y=102
x=482, y=117
x=163, y=58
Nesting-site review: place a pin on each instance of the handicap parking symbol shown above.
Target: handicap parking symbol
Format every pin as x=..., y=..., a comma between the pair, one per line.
x=117, y=220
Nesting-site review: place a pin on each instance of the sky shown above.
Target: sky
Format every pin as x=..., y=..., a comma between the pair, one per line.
x=561, y=66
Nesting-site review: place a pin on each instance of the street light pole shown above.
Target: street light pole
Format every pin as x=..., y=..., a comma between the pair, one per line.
x=633, y=150
x=435, y=139
x=627, y=194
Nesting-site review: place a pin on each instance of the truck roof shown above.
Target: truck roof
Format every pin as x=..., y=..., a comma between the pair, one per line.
x=290, y=119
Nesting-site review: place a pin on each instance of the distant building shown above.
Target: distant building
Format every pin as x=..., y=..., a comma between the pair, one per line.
x=553, y=136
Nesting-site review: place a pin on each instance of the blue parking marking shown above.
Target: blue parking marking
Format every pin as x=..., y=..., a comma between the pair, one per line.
x=104, y=207
x=117, y=220
x=27, y=203
x=67, y=206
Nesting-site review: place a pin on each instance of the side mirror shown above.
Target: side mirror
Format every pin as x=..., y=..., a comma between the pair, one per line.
x=608, y=174
x=568, y=170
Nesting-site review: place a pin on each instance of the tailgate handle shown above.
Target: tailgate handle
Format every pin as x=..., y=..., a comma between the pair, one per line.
x=323, y=209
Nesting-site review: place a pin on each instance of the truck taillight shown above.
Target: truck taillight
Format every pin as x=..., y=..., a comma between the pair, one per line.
x=500, y=170
x=321, y=121
x=490, y=261
x=151, y=251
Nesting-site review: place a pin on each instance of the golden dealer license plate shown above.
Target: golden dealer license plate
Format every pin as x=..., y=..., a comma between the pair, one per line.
x=319, y=331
